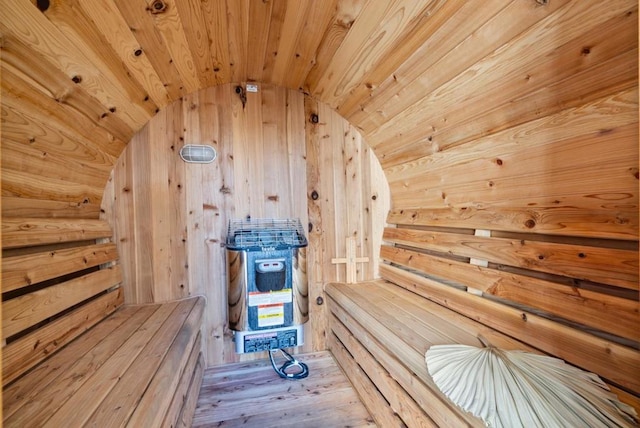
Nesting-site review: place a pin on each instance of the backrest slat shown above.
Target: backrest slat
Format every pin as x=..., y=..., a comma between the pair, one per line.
x=57, y=282
x=24, y=270
x=17, y=233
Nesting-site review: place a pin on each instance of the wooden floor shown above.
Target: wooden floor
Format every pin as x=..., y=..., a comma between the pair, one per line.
x=252, y=395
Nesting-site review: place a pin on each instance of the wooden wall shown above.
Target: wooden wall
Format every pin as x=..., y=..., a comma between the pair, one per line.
x=517, y=180
x=170, y=217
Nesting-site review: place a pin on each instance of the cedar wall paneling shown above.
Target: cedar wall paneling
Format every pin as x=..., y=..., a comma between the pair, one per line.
x=170, y=217
x=517, y=179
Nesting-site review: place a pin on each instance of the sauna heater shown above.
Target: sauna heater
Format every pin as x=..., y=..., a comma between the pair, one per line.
x=267, y=283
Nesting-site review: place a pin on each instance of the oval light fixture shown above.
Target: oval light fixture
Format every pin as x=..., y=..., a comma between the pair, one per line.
x=195, y=153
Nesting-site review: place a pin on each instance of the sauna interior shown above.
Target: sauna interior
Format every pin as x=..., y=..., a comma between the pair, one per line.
x=481, y=155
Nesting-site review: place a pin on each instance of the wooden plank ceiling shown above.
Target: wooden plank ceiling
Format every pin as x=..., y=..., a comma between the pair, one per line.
x=79, y=78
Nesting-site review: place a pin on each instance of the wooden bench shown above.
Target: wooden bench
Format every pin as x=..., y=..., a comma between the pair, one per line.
x=73, y=353
x=380, y=330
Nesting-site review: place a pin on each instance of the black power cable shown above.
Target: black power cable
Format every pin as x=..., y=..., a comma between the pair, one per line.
x=301, y=373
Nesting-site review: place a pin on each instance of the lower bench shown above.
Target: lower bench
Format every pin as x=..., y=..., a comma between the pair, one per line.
x=379, y=333
x=141, y=366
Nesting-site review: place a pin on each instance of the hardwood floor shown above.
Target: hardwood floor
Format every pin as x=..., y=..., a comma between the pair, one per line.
x=251, y=394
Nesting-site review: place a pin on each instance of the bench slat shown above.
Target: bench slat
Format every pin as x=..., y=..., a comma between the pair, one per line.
x=25, y=311
x=342, y=343
x=121, y=401
x=155, y=402
x=35, y=396
x=32, y=232
x=440, y=409
x=608, y=313
x=100, y=382
x=23, y=354
x=185, y=399
x=24, y=270
x=616, y=363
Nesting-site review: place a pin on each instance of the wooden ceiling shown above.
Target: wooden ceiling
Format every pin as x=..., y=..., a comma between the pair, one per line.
x=81, y=77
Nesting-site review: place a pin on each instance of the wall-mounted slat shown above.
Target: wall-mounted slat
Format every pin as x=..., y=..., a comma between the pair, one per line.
x=547, y=220
x=22, y=354
x=17, y=207
x=24, y=184
x=25, y=311
x=24, y=270
x=605, y=265
x=48, y=165
x=30, y=136
x=604, y=312
x=616, y=363
x=36, y=231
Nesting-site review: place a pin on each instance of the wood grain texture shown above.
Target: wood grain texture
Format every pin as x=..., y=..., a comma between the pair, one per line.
x=397, y=353
x=37, y=395
x=604, y=265
x=509, y=116
x=33, y=232
x=373, y=399
x=401, y=409
x=612, y=314
x=251, y=393
x=395, y=309
x=614, y=362
x=184, y=399
x=170, y=218
x=20, y=271
x=27, y=310
x=132, y=344
x=21, y=355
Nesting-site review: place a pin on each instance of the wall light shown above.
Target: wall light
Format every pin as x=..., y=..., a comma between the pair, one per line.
x=194, y=153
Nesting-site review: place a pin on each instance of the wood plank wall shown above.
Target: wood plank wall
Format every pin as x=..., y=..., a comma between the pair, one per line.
x=274, y=160
x=517, y=178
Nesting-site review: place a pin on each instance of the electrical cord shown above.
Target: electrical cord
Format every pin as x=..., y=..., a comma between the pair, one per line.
x=291, y=362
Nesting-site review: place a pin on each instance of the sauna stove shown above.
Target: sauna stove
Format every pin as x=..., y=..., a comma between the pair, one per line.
x=267, y=283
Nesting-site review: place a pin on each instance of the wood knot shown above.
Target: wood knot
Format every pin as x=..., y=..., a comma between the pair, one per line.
x=530, y=224
x=76, y=79
x=43, y=5
x=158, y=6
